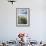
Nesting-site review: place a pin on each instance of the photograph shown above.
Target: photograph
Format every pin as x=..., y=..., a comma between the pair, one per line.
x=22, y=17
x=22, y=22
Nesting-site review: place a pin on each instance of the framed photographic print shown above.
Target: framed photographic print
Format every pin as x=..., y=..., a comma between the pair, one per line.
x=22, y=17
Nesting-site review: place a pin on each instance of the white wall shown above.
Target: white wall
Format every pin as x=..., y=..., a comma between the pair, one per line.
x=37, y=29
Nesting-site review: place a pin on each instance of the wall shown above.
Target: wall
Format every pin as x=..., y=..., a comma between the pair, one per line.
x=37, y=29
